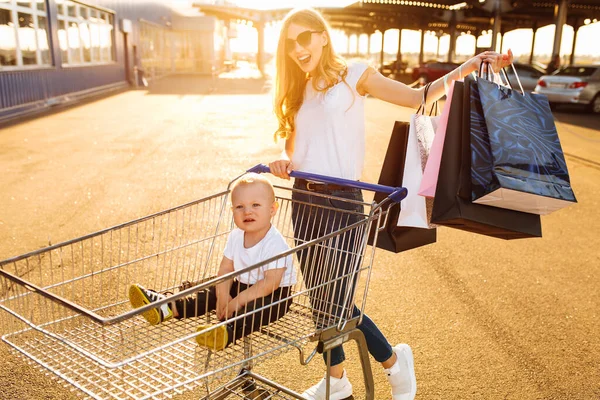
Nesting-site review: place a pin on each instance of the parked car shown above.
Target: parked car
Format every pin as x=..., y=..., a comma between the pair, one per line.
x=573, y=84
x=389, y=68
x=432, y=70
x=529, y=75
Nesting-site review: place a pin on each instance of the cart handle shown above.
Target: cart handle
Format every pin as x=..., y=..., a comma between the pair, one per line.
x=396, y=194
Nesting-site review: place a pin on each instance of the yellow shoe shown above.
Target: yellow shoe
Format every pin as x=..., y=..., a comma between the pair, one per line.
x=215, y=339
x=138, y=297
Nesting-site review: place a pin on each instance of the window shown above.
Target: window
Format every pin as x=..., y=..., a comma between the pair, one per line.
x=24, y=34
x=85, y=33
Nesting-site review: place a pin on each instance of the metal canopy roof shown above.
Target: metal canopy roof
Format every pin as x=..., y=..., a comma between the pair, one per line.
x=467, y=16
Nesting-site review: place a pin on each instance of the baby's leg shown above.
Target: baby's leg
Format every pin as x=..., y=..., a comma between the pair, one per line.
x=252, y=322
x=202, y=303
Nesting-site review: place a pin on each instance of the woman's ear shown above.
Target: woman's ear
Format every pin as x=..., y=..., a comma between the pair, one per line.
x=324, y=38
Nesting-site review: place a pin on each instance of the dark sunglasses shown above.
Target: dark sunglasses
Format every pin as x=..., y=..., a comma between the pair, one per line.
x=303, y=40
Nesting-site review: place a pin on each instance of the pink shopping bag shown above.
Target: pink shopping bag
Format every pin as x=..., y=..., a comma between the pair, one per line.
x=432, y=168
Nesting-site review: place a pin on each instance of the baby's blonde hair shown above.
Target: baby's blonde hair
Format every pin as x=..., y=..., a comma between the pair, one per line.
x=252, y=178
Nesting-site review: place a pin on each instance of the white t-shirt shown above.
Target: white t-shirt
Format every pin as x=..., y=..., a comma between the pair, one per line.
x=271, y=245
x=330, y=129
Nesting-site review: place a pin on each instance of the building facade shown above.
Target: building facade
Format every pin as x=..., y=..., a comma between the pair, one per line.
x=58, y=51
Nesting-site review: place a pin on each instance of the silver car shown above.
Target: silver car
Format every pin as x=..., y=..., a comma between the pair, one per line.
x=529, y=75
x=574, y=84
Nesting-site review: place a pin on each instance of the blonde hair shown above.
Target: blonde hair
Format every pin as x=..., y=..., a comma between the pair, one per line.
x=252, y=178
x=290, y=80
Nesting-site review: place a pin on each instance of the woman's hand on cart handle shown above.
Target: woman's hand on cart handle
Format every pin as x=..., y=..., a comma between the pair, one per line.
x=281, y=168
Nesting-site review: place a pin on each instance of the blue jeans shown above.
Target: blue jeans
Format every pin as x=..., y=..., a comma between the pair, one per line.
x=312, y=222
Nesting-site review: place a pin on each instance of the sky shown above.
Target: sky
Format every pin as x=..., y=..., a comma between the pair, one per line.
x=519, y=41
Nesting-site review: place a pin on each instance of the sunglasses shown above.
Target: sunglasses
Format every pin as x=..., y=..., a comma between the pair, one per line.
x=303, y=40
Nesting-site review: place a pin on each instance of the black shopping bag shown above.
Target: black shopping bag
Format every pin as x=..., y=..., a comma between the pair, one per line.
x=394, y=238
x=450, y=208
x=524, y=167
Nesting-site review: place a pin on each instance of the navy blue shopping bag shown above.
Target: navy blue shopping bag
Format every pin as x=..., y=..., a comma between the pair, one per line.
x=517, y=161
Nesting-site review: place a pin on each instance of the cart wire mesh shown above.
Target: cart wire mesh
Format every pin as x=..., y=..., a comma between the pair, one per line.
x=66, y=306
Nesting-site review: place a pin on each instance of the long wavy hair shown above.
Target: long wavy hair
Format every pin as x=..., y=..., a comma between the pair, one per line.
x=290, y=80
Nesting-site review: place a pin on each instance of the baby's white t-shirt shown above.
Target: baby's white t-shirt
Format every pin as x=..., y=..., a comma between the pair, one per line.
x=330, y=129
x=271, y=245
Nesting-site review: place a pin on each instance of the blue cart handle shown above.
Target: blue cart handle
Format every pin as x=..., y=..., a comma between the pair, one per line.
x=395, y=193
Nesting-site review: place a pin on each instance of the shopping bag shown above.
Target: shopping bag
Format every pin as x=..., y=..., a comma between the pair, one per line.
x=415, y=210
x=432, y=168
x=518, y=161
x=392, y=237
x=452, y=210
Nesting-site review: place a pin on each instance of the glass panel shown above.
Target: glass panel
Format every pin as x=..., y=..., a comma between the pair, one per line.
x=94, y=15
x=71, y=12
x=63, y=42
x=42, y=35
x=106, y=42
x=27, y=40
x=83, y=12
x=8, y=39
x=74, y=43
x=85, y=42
x=41, y=5
x=61, y=7
x=24, y=3
x=95, y=39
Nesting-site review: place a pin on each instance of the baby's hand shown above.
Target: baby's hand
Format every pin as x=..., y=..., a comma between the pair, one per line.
x=232, y=307
x=222, y=304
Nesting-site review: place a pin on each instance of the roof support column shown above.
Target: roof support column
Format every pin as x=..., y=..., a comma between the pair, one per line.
x=452, y=46
x=357, y=43
x=368, y=44
x=560, y=14
x=535, y=29
x=496, y=25
x=260, y=28
x=399, y=54
x=381, y=53
x=422, y=50
x=575, y=30
x=348, y=42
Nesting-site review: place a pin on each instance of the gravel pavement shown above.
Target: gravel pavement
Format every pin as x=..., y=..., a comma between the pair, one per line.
x=487, y=318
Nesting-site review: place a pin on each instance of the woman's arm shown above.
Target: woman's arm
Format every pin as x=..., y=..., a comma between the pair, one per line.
x=375, y=84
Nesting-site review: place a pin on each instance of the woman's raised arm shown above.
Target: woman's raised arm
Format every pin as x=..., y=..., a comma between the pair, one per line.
x=386, y=89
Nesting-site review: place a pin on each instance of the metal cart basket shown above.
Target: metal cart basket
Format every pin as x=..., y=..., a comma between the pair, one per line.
x=66, y=306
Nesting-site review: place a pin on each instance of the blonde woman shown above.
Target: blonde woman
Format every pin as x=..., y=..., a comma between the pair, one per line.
x=319, y=103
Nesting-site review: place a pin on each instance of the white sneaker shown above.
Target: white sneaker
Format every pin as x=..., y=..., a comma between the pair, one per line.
x=402, y=374
x=339, y=389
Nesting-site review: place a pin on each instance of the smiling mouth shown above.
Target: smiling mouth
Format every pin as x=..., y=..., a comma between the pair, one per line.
x=304, y=59
x=249, y=220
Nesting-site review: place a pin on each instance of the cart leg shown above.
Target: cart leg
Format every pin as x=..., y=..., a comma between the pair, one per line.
x=328, y=378
x=361, y=343
x=247, y=354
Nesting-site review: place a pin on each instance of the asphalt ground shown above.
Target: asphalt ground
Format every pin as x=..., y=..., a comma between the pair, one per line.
x=486, y=318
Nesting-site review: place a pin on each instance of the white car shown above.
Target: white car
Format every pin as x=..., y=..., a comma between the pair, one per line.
x=574, y=84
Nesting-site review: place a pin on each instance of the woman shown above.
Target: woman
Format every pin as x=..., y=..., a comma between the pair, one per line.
x=319, y=103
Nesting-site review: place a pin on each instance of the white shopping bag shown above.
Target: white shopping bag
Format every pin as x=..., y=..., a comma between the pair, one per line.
x=415, y=210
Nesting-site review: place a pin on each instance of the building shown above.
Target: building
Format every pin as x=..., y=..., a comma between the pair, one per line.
x=59, y=51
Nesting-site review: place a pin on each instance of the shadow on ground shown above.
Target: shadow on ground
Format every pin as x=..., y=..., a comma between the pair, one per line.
x=574, y=115
x=203, y=85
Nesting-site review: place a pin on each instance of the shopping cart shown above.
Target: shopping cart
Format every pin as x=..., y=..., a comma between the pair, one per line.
x=66, y=306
